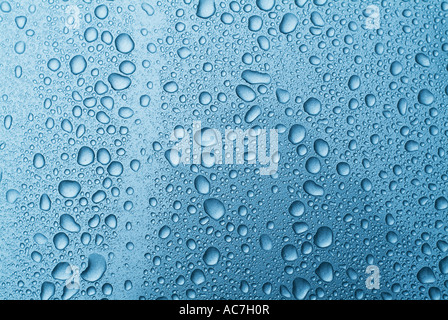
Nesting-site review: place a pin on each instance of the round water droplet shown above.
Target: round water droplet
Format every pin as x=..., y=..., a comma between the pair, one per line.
x=164, y=232
x=426, y=275
x=214, y=208
x=321, y=147
x=354, y=82
x=101, y=11
x=323, y=237
x=296, y=133
x=366, y=184
x=202, y=185
x=91, y=34
x=411, y=146
x=211, y=256
x=312, y=106
x=206, y=8
x=313, y=165
x=61, y=241
x=197, y=277
x=343, y=168
x=300, y=288
x=265, y=5
x=95, y=269
x=289, y=23
x=38, y=161
x=245, y=93
x=115, y=168
x=170, y=87
x=396, y=68
x=124, y=43
x=12, y=195
x=255, y=23
x=297, y=208
x=54, y=64
x=69, y=188
x=289, y=253
x=98, y=196
x=313, y=188
x=103, y=156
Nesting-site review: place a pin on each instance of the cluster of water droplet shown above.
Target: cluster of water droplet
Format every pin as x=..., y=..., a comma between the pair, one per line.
x=96, y=204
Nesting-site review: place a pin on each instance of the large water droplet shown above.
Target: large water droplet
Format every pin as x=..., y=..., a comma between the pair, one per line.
x=211, y=256
x=124, y=43
x=300, y=288
x=214, y=208
x=95, y=269
x=425, y=97
x=312, y=106
x=289, y=253
x=78, y=64
x=86, y=156
x=323, y=237
x=289, y=23
x=206, y=8
x=297, y=208
x=69, y=188
x=297, y=133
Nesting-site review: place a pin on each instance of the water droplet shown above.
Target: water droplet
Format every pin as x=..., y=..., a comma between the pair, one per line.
x=86, y=156
x=297, y=134
x=206, y=8
x=265, y=5
x=441, y=203
x=119, y=82
x=313, y=188
x=69, y=188
x=426, y=275
x=38, y=161
x=245, y=93
x=297, y=208
x=78, y=64
x=202, y=184
x=124, y=43
x=300, y=288
x=289, y=23
x=325, y=272
x=95, y=269
x=312, y=106
x=214, y=208
x=211, y=256
x=323, y=237
x=289, y=253
x=425, y=97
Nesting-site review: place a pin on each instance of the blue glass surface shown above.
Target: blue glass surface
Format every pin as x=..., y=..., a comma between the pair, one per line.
x=207, y=149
